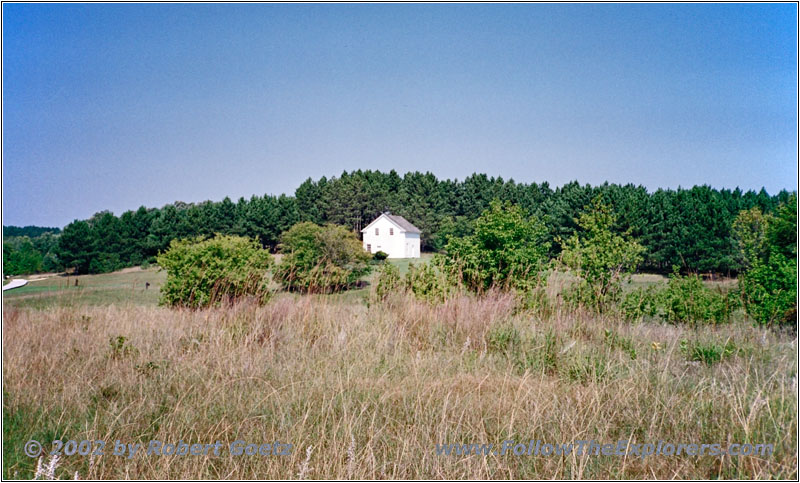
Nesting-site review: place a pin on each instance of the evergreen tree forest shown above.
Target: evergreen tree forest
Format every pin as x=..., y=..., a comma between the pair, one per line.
x=688, y=228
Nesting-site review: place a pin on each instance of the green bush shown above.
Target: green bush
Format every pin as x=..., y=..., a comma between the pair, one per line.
x=769, y=287
x=508, y=249
x=388, y=280
x=640, y=303
x=687, y=299
x=21, y=257
x=601, y=258
x=321, y=258
x=381, y=255
x=428, y=282
x=120, y=347
x=682, y=300
x=748, y=235
x=201, y=273
x=769, y=290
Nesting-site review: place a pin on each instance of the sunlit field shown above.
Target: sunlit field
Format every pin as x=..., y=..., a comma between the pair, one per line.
x=127, y=287
x=366, y=388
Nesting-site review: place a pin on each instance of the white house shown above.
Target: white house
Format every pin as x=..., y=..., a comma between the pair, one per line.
x=392, y=234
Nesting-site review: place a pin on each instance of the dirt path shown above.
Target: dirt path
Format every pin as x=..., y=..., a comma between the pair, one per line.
x=16, y=283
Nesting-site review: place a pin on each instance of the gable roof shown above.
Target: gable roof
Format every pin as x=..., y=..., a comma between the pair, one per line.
x=398, y=220
x=403, y=223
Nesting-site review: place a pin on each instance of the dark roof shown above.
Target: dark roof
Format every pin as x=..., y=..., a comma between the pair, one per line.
x=403, y=223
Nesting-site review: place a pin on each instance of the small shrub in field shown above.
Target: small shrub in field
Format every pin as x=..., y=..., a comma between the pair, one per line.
x=683, y=300
x=507, y=250
x=120, y=347
x=601, y=258
x=321, y=258
x=686, y=299
x=381, y=255
x=388, y=280
x=770, y=290
x=536, y=301
x=640, y=303
x=207, y=272
x=769, y=286
x=428, y=282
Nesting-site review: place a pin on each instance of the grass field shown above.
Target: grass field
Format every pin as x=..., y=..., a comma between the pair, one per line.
x=127, y=287
x=119, y=288
x=372, y=386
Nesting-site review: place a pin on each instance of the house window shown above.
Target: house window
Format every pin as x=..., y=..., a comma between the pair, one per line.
x=369, y=248
x=391, y=231
x=376, y=232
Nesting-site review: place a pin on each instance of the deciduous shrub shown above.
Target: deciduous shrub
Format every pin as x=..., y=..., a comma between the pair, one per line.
x=388, y=280
x=682, y=300
x=769, y=287
x=686, y=299
x=748, y=233
x=321, y=258
x=640, y=303
x=381, y=255
x=208, y=272
x=507, y=250
x=601, y=258
x=769, y=290
x=429, y=282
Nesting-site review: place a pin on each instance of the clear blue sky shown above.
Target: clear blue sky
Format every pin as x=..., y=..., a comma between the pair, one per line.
x=115, y=106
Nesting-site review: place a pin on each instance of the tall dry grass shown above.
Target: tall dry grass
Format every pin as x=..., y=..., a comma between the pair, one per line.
x=367, y=392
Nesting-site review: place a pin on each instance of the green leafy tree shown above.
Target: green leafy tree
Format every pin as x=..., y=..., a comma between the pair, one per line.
x=508, y=250
x=321, y=258
x=222, y=269
x=601, y=258
x=20, y=256
x=769, y=286
x=749, y=236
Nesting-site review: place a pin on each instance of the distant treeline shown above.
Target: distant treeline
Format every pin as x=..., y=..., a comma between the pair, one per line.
x=29, y=231
x=689, y=228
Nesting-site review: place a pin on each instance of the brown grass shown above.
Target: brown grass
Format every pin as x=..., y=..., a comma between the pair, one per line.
x=374, y=389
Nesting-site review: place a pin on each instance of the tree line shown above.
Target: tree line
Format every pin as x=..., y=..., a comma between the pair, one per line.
x=30, y=249
x=689, y=228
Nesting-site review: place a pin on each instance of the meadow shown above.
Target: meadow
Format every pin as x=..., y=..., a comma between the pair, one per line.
x=364, y=387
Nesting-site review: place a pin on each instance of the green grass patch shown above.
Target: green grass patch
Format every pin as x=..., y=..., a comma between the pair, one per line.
x=119, y=288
